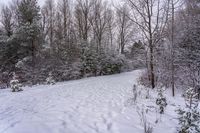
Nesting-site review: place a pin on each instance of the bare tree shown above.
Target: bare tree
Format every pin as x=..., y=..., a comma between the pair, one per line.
x=7, y=20
x=173, y=4
x=110, y=28
x=65, y=12
x=151, y=18
x=48, y=15
x=67, y=30
x=172, y=50
x=82, y=14
x=124, y=25
x=98, y=21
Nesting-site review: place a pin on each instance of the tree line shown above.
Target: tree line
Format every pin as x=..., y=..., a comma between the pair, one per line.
x=69, y=40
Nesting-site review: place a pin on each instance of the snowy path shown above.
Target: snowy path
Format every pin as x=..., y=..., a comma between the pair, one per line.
x=85, y=106
x=93, y=105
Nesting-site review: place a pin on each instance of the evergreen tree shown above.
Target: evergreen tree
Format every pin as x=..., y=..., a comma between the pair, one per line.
x=189, y=117
x=50, y=80
x=161, y=100
x=15, y=85
x=28, y=29
x=88, y=60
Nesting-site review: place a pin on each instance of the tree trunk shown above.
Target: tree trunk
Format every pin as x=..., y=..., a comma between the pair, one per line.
x=151, y=47
x=172, y=53
x=152, y=78
x=33, y=53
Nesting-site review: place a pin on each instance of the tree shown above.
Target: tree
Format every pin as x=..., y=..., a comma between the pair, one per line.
x=161, y=101
x=167, y=60
x=48, y=13
x=151, y=18
x=189, y=43
x=15, y=85
x=172, y=48
x=82, y=14
x=50, y=80
x=7, y=20
x=68, y=35
x=8, y=45
x=80, y=39
x=189, y=117
x=98, y=21
x=28, y=29
x=124, y=27
x=174, y=4
x=111, y=29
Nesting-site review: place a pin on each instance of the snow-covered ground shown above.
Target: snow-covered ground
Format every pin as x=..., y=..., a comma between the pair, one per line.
x=93, y=105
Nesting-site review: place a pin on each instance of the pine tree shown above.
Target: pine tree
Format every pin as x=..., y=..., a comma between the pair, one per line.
x=28, y=29
x=189, y=117
x=15, y=85
x=50, y=80
x=89, y=60
x=161, y=100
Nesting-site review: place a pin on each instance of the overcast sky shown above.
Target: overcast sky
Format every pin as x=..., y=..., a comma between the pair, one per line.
x=2, y=2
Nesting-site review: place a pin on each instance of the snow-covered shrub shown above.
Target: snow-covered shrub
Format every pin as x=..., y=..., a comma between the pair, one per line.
x=75, y=71
x=132, y=101
x=189, y=117
x=100, y=63
x=50, y=80
x=144, y=79
x=15, y=85
x=88, y=60
x=4, y=80
x=161, y=100
x=110, y=63
x=69, y=72
x=147, y=94
x=28, y=76
x=89, y=63
x=143, y=118
x=3, y=85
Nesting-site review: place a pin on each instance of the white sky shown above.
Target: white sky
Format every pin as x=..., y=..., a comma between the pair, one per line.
x=2, y=2
x=41, y=2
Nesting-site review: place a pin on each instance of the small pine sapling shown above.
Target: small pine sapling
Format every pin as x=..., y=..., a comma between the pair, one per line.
x=135, y=93
x=189, y=117
x=15, y=85
x=50, y=80
x=161, y=100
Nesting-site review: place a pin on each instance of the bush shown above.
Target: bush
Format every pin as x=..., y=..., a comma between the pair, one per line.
x=144, y=79
x=161, y=100
x=15, y=85
x=88, y=63
x=189, y=117
x=101, y=63
x=110, y=63
x=143, y=118
x=50, y=80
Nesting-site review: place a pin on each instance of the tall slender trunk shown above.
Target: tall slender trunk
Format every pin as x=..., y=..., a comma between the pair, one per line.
x=151, y=47
x=51, y=37
x=172, y=53
x=33, y=53
x=152, y=78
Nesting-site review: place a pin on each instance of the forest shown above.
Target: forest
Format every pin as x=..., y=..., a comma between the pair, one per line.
x=62, y=40
x=76, y=39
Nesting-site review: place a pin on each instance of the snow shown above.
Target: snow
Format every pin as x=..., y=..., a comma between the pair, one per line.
x=92, y=105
